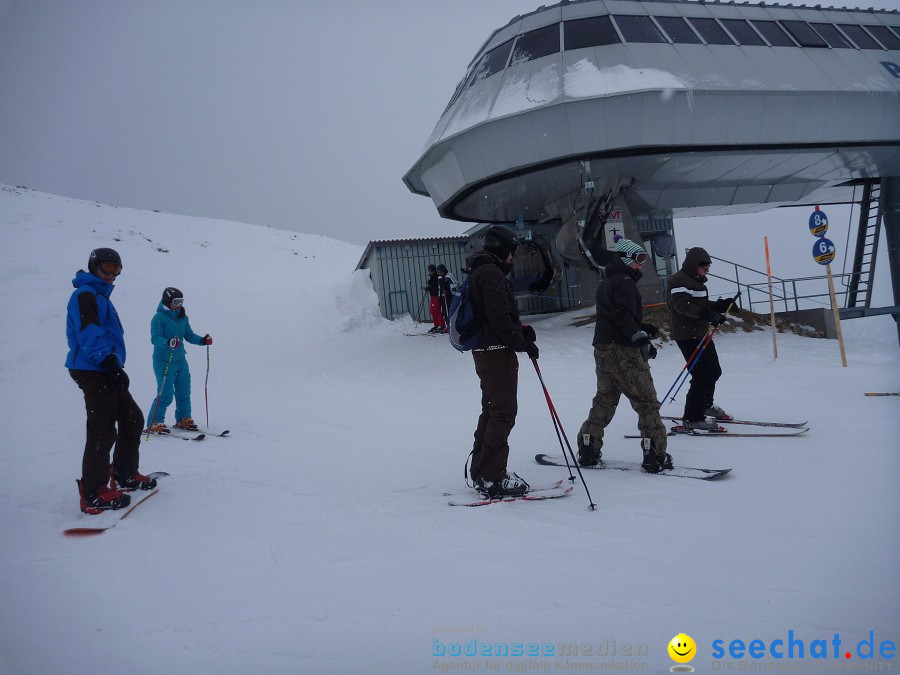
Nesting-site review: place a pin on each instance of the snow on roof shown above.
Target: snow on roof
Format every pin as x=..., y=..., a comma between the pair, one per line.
x=410, y=240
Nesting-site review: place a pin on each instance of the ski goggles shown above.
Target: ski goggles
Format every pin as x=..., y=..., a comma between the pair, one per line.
x=640, y=258
x=177, y=302
x=111, y=268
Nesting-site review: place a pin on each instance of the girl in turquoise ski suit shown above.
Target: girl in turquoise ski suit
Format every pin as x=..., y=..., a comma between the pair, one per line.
x=170, y=321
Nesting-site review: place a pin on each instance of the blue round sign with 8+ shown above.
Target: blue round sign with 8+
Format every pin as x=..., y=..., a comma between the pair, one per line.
x=818, y=223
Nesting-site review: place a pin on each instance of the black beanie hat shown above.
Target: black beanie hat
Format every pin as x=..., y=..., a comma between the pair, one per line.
x=501, y=241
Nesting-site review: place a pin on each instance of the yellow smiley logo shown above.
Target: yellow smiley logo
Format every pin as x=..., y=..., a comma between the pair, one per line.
x=682, y=648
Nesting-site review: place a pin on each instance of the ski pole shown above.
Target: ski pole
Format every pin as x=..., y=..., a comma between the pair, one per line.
x=688, y=364
x=558, y=425
x=556, y=429
x=206, y=387
x=701, y=347
x=419, y=309
x=159, y=393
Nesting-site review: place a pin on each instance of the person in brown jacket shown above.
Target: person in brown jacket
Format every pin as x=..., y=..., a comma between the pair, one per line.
x=496, y=365
x=692, y=314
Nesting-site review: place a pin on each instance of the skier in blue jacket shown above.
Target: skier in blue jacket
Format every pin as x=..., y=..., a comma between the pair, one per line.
x=169, y=329
x=95, y=360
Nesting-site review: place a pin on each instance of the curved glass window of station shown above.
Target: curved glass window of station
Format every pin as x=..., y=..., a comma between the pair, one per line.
x=594, y=31
x=678, y=30
x=639, y=29
x=599, y=31
x=743, y=33
x=536, y=43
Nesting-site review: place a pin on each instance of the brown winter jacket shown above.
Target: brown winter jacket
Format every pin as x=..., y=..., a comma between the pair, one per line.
x=495, y=304
x=688, y=299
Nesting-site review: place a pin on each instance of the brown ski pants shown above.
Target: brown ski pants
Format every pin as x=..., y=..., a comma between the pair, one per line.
x=498, y=371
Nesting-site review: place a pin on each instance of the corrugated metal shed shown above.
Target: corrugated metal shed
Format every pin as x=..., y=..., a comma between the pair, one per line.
x=399, y=269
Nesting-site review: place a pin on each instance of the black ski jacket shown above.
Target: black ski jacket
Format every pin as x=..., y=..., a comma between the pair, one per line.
x=619, y=305
x=432, y=285
x=495, y=304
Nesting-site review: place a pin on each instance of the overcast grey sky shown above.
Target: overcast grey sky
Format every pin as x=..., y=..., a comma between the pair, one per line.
x=300, y=114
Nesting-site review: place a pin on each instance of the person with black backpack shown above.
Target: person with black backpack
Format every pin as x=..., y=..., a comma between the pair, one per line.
x=502, y=335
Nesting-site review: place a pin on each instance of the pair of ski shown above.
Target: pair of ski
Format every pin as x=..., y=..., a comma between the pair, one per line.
x=100, y=523
x=534, y=493
x=187, y=435
x=795, y=429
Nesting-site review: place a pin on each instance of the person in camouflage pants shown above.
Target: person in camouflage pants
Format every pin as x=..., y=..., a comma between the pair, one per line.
x=622, y=370
x=622, y=350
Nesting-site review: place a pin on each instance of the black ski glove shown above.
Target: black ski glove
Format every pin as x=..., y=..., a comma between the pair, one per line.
x=532, y=351
x=528, y=332
x=650, y=329
x=642, y=341
x=173, y=342
x=117, y=376
x=721, y=304
x=717, y=319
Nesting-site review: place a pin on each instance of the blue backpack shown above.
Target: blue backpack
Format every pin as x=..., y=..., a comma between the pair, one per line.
x=465, y=328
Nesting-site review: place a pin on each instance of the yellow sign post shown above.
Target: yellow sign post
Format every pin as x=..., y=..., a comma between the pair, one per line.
x=823, y=253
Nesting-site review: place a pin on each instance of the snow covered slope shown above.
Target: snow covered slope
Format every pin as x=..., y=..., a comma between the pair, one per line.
x=316, y=539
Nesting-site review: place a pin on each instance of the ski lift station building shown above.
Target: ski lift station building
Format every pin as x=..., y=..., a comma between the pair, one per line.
x=669, y=108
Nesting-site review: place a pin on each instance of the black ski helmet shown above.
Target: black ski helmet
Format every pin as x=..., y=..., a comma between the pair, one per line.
x=432, y=268
x=442, y=269
x=501, y=241
x=170, y=294
x=102, y=255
